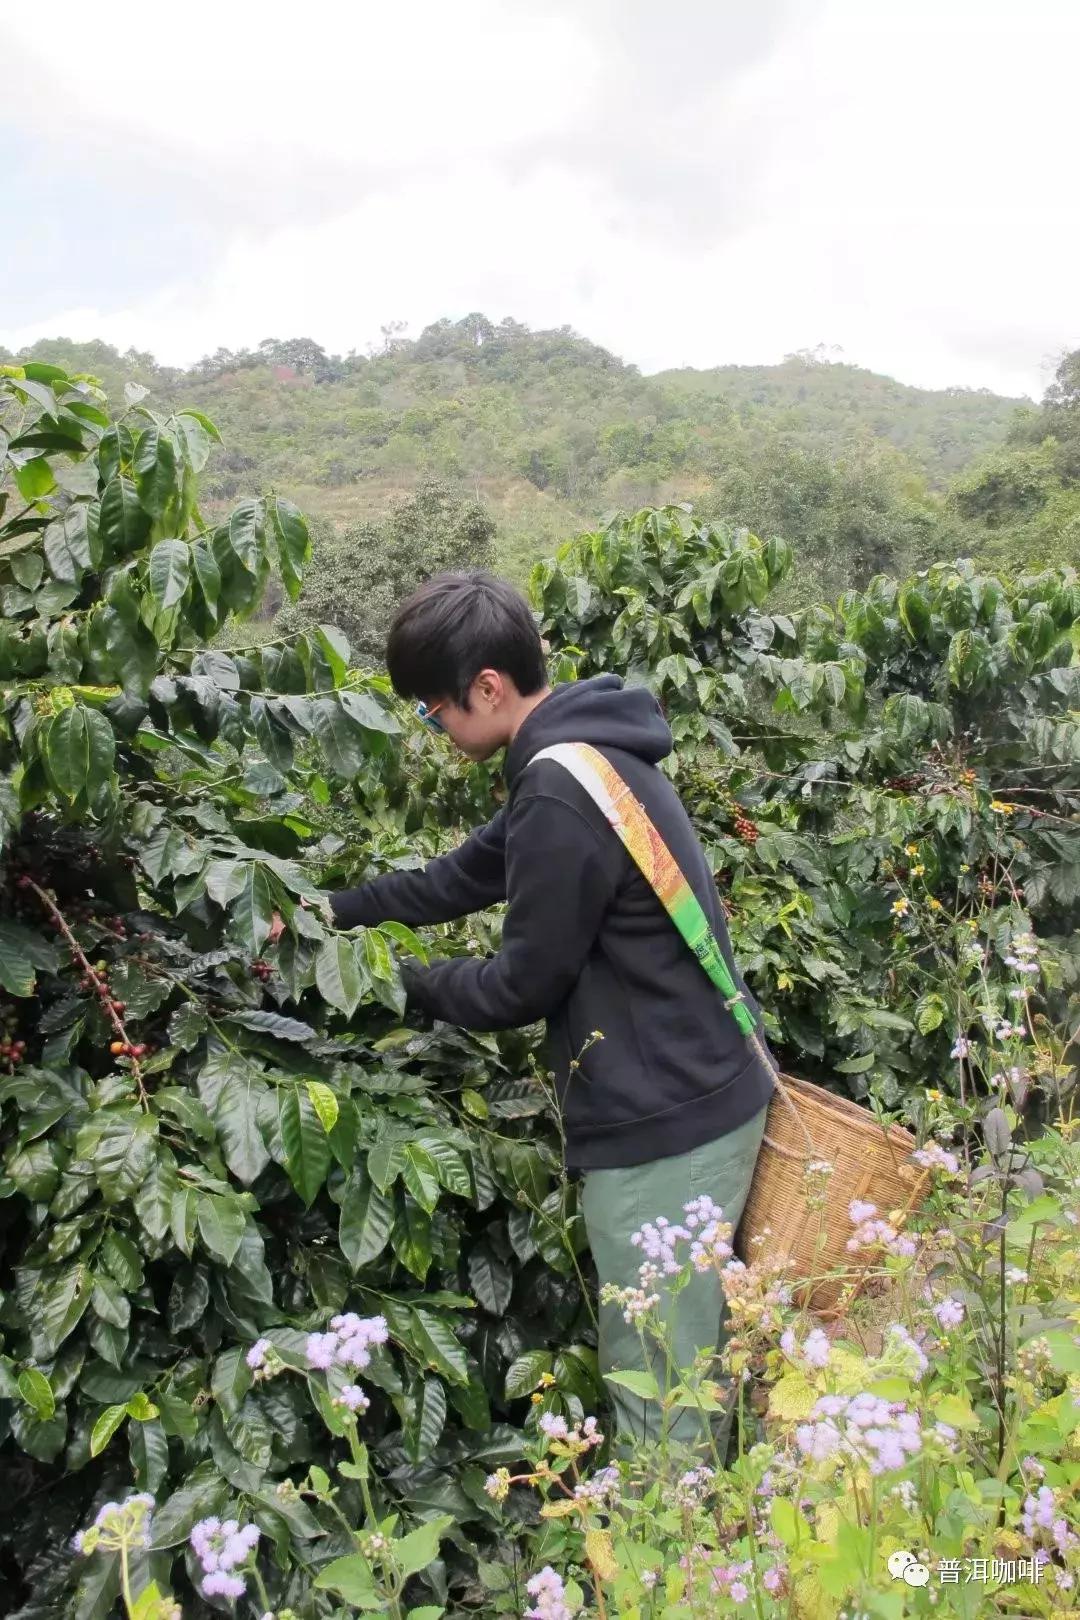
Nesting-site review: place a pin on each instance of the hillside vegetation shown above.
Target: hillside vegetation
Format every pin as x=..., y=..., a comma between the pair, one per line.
x=551, y=431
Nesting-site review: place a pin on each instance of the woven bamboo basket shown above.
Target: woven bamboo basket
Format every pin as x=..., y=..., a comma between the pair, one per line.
x=804, y=1123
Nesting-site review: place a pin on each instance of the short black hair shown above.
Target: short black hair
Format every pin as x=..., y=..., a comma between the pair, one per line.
x=454, y=626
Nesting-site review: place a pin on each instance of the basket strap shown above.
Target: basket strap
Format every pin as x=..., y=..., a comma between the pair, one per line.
x=786, y=1098
x=892, y=1149
x=606, y=788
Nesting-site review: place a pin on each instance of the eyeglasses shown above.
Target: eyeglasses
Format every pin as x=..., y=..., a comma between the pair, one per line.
x=430, y=717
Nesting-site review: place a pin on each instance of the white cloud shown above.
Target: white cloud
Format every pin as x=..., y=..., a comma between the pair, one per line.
x=681, y=184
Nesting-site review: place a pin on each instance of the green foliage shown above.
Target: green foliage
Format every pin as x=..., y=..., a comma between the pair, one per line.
x=207, y=1138
x=842, y=766
x=855, y=510
x=360, y=576
x=210, y=1140
x=1023, y=501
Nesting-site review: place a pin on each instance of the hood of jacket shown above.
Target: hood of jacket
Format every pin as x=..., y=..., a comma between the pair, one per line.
x=601, y=711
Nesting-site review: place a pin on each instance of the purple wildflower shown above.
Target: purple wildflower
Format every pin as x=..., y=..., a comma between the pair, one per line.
x=1039, y=1509
x=221, y=1548
x=349, y=1342
x=256, y=1356
x=694, y=1486
x=901, y=1339
x=603, y=1486
x=949, y=1312
x=320, y=1350
x=657, y=1241
x=550, y=1594
x=934, y=1157
x=882, y=1432
x=220, y=1584
x=815, y=1350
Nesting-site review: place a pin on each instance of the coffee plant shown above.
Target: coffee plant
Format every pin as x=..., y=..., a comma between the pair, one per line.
x=289, y=1291
x=910, y=755
x=210, y=1140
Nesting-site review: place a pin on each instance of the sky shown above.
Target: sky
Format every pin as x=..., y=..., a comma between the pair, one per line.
x=697, y=182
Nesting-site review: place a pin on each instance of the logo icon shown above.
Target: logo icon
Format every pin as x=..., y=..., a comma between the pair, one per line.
x=904, y=1566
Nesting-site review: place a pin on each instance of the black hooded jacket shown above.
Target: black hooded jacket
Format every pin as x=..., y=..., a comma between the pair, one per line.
x=586, y=943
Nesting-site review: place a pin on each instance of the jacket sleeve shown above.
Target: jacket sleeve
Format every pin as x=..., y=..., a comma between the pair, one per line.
x=468, y=879
x=561, y=875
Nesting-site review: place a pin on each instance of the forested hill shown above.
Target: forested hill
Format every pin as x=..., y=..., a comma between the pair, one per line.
x=550, y=430
x=820, y=403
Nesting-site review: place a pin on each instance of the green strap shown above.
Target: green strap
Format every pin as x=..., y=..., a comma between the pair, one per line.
x=629, y=819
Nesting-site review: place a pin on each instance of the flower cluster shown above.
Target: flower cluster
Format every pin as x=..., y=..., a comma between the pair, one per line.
x=882, y=1433
x=1041, y=1512
x=222, y=1548
x=264, y=1360
x=574, y=1440
x=550, y=1595
x=657, y=1240
x=870, y=1233
x=756, y=1296
x=900, y=1342
x=1023, y=958
x=814, y=1351
x=1012, y=1079
x=634, y=1303
x=353, y=1399
x=711, y=1240
x=730, y=1580
x=1008, y=1031
x=704, y=1228
x=1034, y=1358
x=118, y=1524
x=949, y=1312
x=497, y=1485
x=601, y=1487
x=693, y=1487
x=349, y=1342
x=934, y=1157
x=816, y=1177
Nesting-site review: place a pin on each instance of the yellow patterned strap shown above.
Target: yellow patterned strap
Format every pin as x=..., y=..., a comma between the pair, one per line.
x=657, y=864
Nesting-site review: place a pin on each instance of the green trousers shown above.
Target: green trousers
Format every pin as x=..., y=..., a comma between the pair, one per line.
x=618, y=1203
